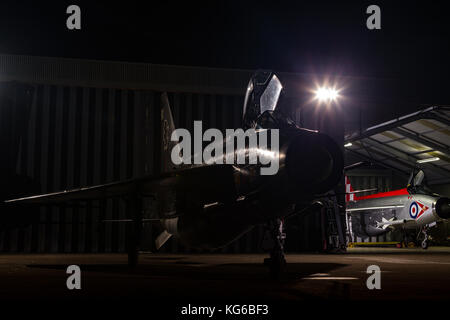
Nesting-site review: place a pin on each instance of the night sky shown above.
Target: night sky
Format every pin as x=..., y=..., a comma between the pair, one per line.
x=313, y=37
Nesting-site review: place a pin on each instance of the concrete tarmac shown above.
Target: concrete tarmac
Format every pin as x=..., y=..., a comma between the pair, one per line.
x=406, y=274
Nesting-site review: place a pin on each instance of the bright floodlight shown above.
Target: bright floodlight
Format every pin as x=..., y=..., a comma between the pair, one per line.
x=326, y=94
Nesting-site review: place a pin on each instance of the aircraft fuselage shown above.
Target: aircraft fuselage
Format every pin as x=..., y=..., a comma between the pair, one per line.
x=376, y=216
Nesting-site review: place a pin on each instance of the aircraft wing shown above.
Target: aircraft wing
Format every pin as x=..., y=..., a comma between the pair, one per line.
x=108, y=190
x=188, y=178
x=184, y=178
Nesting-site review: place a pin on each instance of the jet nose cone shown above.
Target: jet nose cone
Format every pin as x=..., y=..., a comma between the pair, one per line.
x=443, y=208
x=314, y=161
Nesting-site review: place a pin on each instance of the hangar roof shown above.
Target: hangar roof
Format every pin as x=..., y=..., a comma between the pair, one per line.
x=400, y=144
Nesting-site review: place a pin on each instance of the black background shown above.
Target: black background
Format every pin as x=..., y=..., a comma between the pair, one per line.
x=325, y=37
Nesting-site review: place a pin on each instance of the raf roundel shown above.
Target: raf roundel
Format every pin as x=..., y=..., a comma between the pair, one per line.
x=413, y=210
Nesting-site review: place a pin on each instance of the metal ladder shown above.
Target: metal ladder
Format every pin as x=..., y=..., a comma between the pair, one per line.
x=334, y=228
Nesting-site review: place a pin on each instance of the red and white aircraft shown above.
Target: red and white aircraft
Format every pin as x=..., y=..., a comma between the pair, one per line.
x=413, y=207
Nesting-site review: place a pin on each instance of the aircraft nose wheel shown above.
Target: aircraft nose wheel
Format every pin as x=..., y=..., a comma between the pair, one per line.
x=277, y=261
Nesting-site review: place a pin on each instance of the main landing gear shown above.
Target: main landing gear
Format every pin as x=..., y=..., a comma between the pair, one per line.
x=277, y=261
x=424, y=243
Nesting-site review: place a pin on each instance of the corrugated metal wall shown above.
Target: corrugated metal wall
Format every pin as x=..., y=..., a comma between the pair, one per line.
x=80, y=136
x=77, y=137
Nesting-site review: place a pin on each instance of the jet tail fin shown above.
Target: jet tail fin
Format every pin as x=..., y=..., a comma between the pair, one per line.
x=167, y=128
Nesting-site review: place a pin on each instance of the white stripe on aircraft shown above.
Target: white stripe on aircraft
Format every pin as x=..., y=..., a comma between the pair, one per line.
x=375, y=208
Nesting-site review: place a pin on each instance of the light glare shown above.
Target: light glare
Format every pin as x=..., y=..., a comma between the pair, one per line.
x=326, y=94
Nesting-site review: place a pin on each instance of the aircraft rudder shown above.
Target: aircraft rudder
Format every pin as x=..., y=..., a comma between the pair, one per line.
x=167, y=128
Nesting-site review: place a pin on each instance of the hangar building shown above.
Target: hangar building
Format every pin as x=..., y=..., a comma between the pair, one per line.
x=67, y=123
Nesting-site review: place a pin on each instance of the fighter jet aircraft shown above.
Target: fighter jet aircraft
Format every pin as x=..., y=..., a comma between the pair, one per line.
x=211, y=205
x=415, y=207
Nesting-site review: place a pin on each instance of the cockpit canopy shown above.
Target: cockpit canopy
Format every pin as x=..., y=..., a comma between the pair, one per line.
x=417, y=183
x=263, y=93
